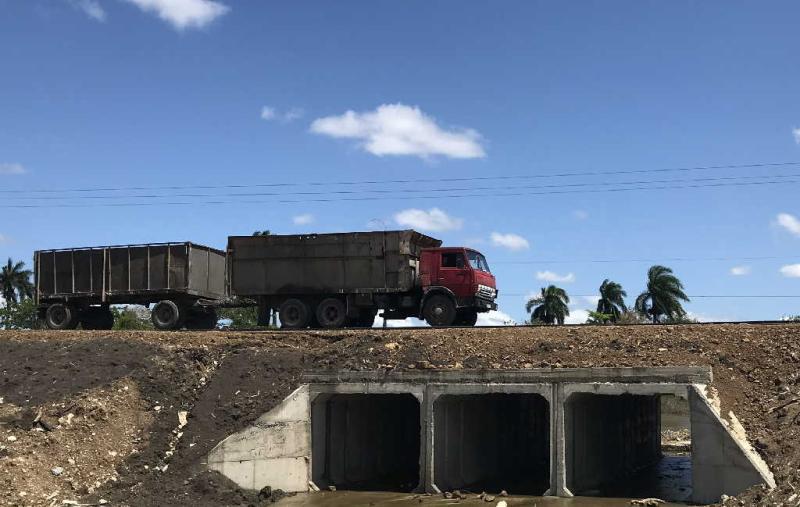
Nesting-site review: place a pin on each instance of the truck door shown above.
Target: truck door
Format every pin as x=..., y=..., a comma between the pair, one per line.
x=455, y=274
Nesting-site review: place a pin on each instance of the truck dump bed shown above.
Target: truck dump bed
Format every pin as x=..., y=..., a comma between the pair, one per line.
x=354, y=262
x=129, y=272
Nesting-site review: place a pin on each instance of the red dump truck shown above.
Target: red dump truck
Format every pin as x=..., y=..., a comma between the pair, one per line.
x=311, y=280
x=343, y=279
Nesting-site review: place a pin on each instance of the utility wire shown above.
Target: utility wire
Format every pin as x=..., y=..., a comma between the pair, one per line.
x=664, y=259
x=390, y=197
x=408, y=190
x=414, y=180
x=735, y=296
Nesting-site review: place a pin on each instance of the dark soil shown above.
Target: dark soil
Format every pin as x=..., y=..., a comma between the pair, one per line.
x=112, y=400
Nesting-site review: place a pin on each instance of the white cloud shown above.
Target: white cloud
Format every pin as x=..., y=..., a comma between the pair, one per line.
x=409, y=322
x=304, y=219
x=576, y=316
x=796, y=134
x=434, y=220
x=789, y=222
x=579, y=214
x=183, y=14
x=267, y=113
x=495, y=318
x=510, y=241
x=11, y=168
x=397, y=129
x=4, y=239
x=91, y=8
x=791, y=271
x=592, y=300
x=740, y=270
x=549, y=276
x=270, y=113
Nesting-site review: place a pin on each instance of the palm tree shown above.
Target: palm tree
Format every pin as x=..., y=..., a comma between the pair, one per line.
x=612, y=300
x=550, y=306
x=663, y=295
x=15, y=280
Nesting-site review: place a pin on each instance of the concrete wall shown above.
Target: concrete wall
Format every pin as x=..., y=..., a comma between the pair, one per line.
x=722, y=461
x=274, y=451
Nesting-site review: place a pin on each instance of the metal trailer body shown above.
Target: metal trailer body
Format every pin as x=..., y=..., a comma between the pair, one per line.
x=362, y=270
x=76, y=285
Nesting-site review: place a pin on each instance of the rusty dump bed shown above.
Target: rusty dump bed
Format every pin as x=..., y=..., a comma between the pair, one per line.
x=127, y=272
x=353, y=262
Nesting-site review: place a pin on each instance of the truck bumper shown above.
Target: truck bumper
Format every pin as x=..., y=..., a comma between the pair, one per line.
x=480, y=304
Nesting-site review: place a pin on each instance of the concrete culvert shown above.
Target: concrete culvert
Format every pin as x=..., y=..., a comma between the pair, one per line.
x=614, y=448
x=366, y=441
x=492, y=442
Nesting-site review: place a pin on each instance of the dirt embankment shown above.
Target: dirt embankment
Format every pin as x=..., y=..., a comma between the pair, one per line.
x=129, y=417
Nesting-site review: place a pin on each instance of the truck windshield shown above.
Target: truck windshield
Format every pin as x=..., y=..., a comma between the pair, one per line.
x=478, y=261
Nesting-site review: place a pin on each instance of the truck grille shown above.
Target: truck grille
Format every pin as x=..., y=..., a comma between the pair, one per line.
x=486, y=292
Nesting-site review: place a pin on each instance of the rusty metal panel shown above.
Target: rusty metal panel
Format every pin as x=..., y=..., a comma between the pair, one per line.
x=63, y=272
x=325, y=263
x=178, y=266
x=138, y=268
x=83, y=270
x=118, y=269
x=158, y=267
x=46, y=275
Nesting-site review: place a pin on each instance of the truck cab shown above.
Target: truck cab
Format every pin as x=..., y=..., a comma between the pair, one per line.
x=457, y=284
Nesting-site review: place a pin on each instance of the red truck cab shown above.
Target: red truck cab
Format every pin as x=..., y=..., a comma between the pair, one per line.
x=456, y=284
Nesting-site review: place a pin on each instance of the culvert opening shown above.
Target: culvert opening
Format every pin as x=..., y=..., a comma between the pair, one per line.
x=366, y=442
x=628, y=446
x=492, y=442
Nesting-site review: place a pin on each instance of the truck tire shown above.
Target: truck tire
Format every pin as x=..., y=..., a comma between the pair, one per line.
x=331, y=313
x=61, y=316
x=294, y=314
x=439, y=310
x=166, y=315
x=466, y=317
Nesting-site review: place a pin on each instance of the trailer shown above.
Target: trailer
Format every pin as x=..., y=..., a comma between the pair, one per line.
x=343, y=279
x=77, y=285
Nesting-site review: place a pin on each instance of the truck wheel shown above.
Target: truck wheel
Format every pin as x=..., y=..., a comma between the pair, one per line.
x=61, y=316
x=439, y=310
x=331, y=313
x=165, y=315
x=466, y=318
x=294, y=314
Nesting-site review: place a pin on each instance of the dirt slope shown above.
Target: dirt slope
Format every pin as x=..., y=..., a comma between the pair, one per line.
x=100, y=415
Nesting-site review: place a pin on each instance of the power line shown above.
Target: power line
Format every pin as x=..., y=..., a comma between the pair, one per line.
x=408, y=190
x=381, y=198
x=702, y=296
x=663, y=259
x=414, y=180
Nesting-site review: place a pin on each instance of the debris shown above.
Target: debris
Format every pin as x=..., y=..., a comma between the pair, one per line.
x=11, y=438
x=648, y=502
x=488, y=498
x=57, y=471
x=392, y=345
x=502, y=503
x=182, y=418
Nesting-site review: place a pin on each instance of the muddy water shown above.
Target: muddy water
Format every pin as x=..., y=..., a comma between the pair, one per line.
x=354, y=498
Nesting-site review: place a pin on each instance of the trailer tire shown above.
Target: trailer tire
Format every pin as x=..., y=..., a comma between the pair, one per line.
x=331, y=313
x=61, y=316
x=466, y=318
x=204, y=320
x=294, y=314
x=439, y=310
x=166, y=315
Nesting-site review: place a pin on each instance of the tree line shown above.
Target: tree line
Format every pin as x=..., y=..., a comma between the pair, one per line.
x=659, y=302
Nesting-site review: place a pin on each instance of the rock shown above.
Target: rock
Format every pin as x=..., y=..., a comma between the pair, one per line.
x=648, y=502
x=504, y=493
x=11, y=438
x=332, y=487
x=447, y=495
x=502, y=503
x=392, y=346
x=182, y=418
x=488, y=498
x=57, y=471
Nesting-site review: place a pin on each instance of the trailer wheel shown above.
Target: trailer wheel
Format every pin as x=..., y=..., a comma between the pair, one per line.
x=439, y=310
x=331, y=313
x=61, y=316
x=466, y=318
x=165, y=315
x=202, y=320
x=294, y=314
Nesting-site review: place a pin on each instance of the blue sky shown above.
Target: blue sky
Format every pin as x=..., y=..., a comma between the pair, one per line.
x=157, y=93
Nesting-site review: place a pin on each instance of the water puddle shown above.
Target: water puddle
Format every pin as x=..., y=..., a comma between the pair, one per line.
x=370, y=498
